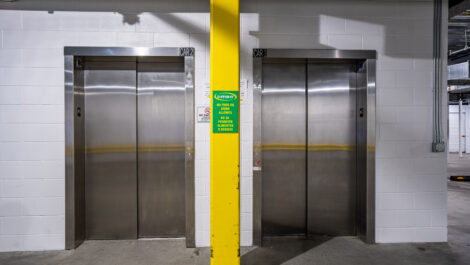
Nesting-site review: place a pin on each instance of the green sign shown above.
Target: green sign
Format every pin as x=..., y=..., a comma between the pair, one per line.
x=225, y=111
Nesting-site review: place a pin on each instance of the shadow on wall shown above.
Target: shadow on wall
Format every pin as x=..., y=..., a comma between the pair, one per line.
x=394, y=31
x=391, y=28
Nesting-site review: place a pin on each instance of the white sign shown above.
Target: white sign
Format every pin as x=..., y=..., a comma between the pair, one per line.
x=243, y=89
x=203, y=114
x=207, y=90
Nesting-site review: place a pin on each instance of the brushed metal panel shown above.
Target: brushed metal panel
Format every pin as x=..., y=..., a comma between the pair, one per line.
x=371, y=143
x=111, y=170
x=74, y=155
x=257, y=153
x=122, y=51
x=69, y=154
x=79, y=153
x=366, y=162
x=161, y=152
x=75, y=135
x=189, y=153
x=361, y=136
x=331, y=149
x=321, y=54
x=283, y=136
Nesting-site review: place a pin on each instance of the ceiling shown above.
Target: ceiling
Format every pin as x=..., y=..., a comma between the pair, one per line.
x=459, y=25
x=459, y=31
x=459, y=47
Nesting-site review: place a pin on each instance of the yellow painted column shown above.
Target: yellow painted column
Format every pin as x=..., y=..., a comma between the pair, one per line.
x=225, y=139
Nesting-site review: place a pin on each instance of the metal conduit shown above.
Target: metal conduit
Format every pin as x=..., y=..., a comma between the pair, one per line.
x=438, y=145
x=460, y=128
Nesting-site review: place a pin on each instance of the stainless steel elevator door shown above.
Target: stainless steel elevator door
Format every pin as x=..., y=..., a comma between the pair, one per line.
x=110, y=141
x=283, y=138
x=331, y=149
x=161, y=158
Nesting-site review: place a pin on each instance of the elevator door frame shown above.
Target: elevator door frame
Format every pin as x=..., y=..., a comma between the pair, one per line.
x=366, y=140
x=74, y=134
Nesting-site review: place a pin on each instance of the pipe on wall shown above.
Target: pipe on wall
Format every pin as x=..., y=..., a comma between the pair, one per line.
x=460, y=128
x=438, y=145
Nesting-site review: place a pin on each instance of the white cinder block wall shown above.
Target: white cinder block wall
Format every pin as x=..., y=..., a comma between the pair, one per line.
x=411, y=189
x=454, y=128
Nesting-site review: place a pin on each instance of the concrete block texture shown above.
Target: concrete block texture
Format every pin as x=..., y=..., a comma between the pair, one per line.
x=411, y=193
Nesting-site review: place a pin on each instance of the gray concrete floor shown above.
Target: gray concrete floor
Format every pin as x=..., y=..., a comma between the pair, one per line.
x=319, y=251
x=458, y=166
x=458, y=204
x=287, y=251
